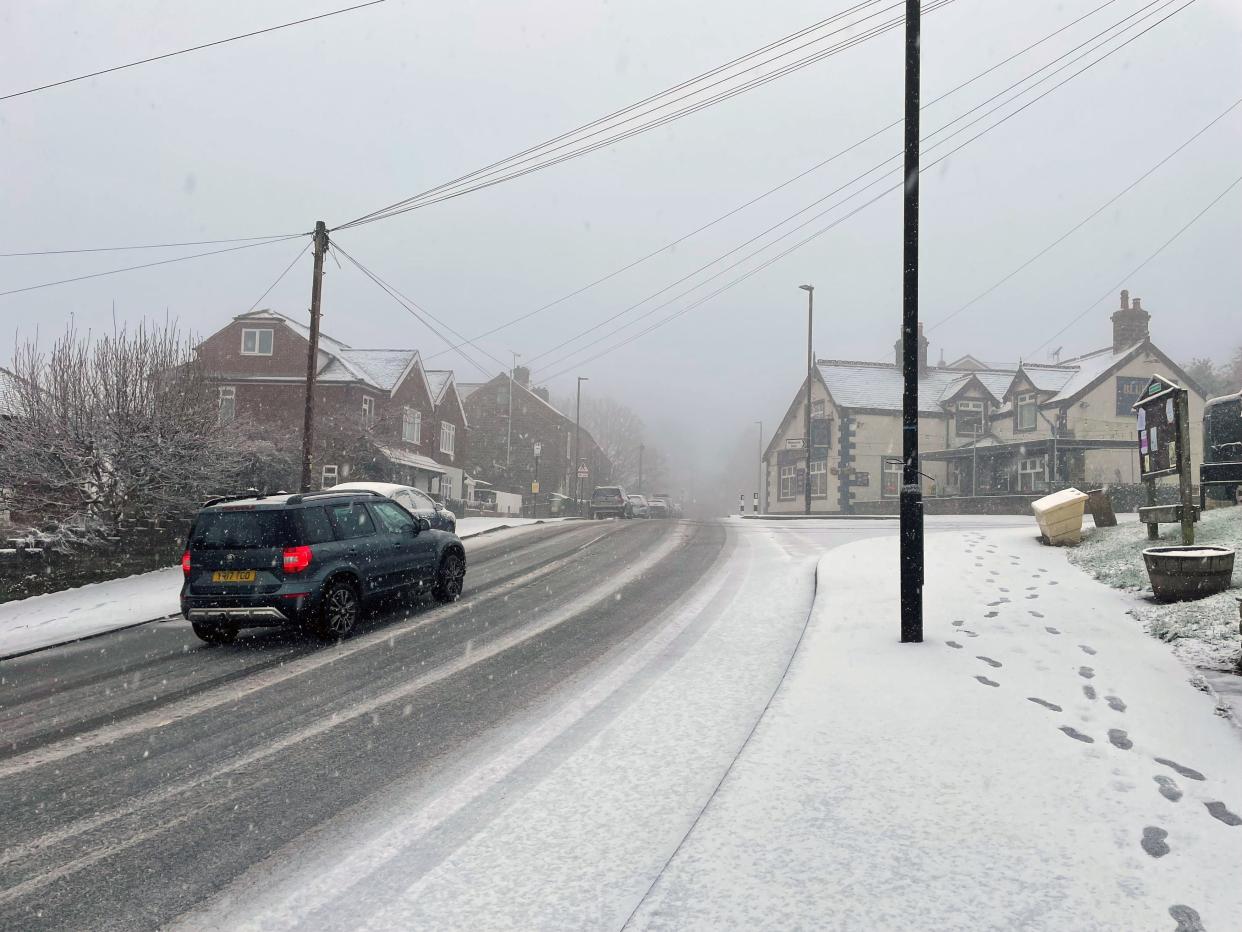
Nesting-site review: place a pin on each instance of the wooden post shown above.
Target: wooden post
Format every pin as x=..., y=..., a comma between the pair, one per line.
x=1184, y=478
x=1153, y=530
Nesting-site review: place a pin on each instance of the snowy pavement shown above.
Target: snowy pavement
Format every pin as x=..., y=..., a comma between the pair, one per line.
x=1038, y=763
x=72, y=614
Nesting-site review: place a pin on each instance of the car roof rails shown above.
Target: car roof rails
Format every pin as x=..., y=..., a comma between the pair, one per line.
x=301, y=496
x=236, y=496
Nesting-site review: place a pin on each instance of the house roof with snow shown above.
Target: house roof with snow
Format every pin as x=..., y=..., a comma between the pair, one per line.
x=9, y=387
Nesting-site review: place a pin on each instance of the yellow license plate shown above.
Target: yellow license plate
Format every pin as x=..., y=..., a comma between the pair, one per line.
x=233, y=576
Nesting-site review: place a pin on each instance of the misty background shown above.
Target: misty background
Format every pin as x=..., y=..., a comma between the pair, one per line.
x=333, y=119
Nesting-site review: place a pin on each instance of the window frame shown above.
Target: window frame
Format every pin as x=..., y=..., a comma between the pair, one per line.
x=1038, y=474
x=412, y=419
x=401, y=515
x=975, y=407
x=448, y=430
x=789, y=473
x=1024, y=401
x=258, y=340
x=446, y=487
x=229, y=393
x=885, y=472
x=323, y=475
x=368, y=412
x=337, y=527
x=819, y=478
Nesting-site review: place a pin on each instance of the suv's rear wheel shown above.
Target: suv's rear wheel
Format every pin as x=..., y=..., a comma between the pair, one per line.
x=213, y=634
x=338, y=612
x=450, y=578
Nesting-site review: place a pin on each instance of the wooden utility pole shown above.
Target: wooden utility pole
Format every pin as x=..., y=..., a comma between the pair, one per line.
x=1186, y=493
x=312, y=353
x=911, y=492
x=810, y=367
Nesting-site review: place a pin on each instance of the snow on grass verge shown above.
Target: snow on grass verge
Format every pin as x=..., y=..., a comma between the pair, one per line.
x=1204, y=631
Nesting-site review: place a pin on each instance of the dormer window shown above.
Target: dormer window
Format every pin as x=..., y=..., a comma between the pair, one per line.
x=1024, y=410
x=256, y=342
x=969, y=418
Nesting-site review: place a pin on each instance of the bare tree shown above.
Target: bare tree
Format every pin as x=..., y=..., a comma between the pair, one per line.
x=99, y=430
x=620, y=432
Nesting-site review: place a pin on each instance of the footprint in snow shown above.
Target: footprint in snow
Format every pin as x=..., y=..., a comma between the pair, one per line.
x=1089, y=691
x=1086, y=672
x=1053, y=582
x=1077, y=735
x=1187, y=919
x=1221, y=812
x=1119, y=739
x=1187, y=772
x=958, y=623
x=1153, y=841
x=1033, y=595
x=1115, y=703
x=1034, y=613
x=991, y=614
x=1168, y=788
x=987, y=682
x=954, y=644
x=993, y=573
x=1045, y=703
x=1052, y=630
x=969, y=633
x=1087, y=649
x=989, y=661
x=1031, y=588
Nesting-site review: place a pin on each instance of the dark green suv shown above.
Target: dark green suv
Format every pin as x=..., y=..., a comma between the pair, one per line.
x=314, y=560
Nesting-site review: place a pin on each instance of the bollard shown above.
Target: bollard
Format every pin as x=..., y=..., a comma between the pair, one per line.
x=755, y=505
x=741, y=503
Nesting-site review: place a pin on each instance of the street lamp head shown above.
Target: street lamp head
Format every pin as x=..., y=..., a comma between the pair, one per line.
x=584, y=378
x=807, y=287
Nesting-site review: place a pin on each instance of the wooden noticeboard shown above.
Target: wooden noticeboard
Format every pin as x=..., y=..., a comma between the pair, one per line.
x=1163, y=422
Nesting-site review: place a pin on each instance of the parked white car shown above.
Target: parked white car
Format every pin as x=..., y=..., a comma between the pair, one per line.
x=415, y=501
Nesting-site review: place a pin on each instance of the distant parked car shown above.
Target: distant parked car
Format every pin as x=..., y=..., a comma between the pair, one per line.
x=315, y=560
x=609, y=501
x=415, y=501
x=657, y=508
x=638, y=506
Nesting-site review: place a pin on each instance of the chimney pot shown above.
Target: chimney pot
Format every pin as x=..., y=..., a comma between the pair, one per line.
x=1125, y=300
x=1134, y=305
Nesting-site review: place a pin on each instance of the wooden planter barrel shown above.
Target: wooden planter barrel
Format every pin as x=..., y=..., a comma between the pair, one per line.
x=1181, y=573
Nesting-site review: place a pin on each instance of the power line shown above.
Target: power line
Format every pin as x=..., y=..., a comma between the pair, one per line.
x=871, y=184
x=836, y=222
x=201, y=242
x=148, y=265
x=784, y=184
x=1125, y=278
x=449, y=191
x=414, y=310
x=281, y=276
x=616, y=113
x=1091, y=216
x=195, y=48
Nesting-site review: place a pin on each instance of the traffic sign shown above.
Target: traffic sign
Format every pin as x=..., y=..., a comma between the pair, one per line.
x=583, y=472
x=534, y=487
x=538, y=448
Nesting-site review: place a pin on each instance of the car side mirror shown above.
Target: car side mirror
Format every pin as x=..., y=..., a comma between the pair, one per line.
x=421, y=524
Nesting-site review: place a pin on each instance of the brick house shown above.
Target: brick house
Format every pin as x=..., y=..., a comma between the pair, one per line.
x=1027, y=428
x=507, y=460
x=378, y=414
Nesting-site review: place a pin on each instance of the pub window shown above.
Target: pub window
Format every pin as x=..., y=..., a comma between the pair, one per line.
x=819, y=478
x=256, y=342
x=789, y=480
x=969, y=418
x=890, y=486
x=1026, y=411
x=1030, y=474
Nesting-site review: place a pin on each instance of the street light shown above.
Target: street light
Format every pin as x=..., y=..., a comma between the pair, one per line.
x=810, y=365
x=578, y=444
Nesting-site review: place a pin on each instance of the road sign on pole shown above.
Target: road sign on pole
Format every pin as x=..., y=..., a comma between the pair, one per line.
x=583, y=472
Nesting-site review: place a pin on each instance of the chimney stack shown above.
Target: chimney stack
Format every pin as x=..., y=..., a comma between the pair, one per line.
x=521, y=375
x=1130, y=324
x=923, y=344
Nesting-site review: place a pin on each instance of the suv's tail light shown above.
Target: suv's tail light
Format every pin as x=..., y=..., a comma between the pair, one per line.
x=185, y=563
x=297, y=559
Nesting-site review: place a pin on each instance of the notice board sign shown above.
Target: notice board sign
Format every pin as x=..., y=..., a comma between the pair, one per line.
x=1158, y=412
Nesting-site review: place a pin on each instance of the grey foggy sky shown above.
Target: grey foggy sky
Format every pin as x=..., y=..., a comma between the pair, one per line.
x=337, y=118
